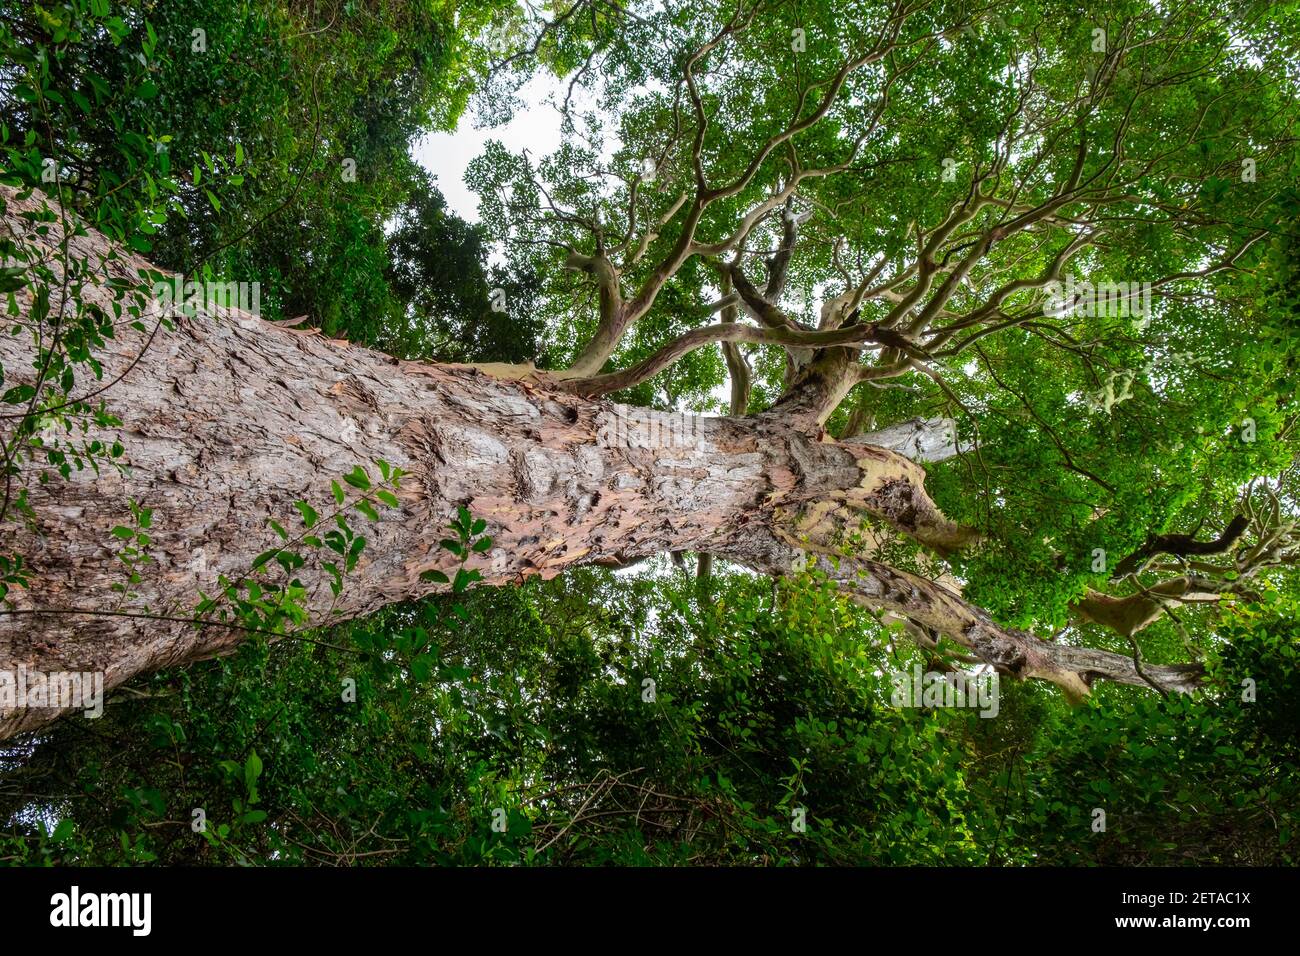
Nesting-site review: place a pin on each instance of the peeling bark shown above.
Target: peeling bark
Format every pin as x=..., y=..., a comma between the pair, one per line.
x=1125, y=615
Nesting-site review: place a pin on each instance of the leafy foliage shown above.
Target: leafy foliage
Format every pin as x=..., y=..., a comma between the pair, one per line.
x=528, y=708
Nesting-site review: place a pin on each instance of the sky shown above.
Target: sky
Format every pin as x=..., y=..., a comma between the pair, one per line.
x=447, y=155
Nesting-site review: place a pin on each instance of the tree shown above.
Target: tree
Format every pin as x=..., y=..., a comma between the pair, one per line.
x=249, y=141
x=456, y=305
x=1126, y=149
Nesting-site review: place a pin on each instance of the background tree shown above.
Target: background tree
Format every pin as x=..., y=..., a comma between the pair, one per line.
x=262, y=142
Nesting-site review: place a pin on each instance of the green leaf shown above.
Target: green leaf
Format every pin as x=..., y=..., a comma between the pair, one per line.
x=309, y=515
x=264, y=557
x=252, y=769
x=62, y=831
x=464, y=579
x=357, y=478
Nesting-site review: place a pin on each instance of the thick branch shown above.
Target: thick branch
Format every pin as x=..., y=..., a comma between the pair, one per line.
x=1012, y=652
x=595, y=385
x=1182, y=545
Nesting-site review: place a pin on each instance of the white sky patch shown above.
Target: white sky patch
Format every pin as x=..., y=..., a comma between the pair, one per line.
x=535, y=127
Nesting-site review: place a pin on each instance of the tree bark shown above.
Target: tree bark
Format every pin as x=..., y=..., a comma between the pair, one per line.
x=227, y=421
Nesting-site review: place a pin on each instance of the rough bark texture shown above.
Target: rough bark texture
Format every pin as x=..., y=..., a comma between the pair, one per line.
x=228, y=420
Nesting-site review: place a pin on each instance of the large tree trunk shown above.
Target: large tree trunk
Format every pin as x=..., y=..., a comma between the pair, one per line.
x=227, y=421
